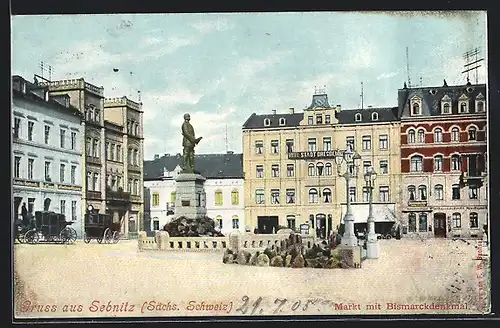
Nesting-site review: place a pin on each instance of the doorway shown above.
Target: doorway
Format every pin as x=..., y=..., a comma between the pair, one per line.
x=267, y=224
x=17, y=203
x=321, y=226
x=440, y=225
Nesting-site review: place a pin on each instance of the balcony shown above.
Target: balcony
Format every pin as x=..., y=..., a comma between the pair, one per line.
x=119, y=195
x=93, y=194
x=93, y=160
x=417, y=203
x=472, y=178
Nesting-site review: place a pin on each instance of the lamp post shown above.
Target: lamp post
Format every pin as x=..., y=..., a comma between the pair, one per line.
x=352, y=164
x=372, y=246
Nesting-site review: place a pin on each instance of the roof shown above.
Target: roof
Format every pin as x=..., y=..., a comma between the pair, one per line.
x=431, y=98
x=211, y=166
x=385, y=114
x=319, y=101
x=257, y=121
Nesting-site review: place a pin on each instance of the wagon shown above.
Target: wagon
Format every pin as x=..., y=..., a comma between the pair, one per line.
x=101, y=228
x=49, y=226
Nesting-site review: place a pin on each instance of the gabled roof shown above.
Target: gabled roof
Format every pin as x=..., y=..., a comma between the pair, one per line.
x=211, y=166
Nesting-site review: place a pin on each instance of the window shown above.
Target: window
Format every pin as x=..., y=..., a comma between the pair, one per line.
x=416, y=163
x=438, y=163
x=455, y=162
x=463, y=107
x=236, y=222
x=328, y=169
x=366, y=143
x=455, y=192
x=62, y=170
x=327, y=195
x=112, y=152
x=89, y=181
x=366, y=166
x=156, y=225
x=412, y=222
x=156, y=199
x=319, y=168
x=473, y=221
x=327, y=143
x=47, y=135
x=88, y=146
x=259, y=170
x=172, y=197
x=446, y=108
x=235, y=197
x=47, y=171
x=73, y=140
x=383, y=141
x=129, y=156
x=259, y=147
x=289, y=145
x=455, y=134
x=275, y=170
x=62, y=138
x=63, y=206
x=352, y=194
x=136, y=129
x=375, y=116
x=422, y=192
x=357, y=117
x=310, y=169
x=349, y=142
x=17, y=167
x=383, y=192
x=366, y=194
x=480, y=106
x=327, y=119
x=31, y=163
x=384, y=167
x=259, y=196
x=411, y=193
x=274, y=146
x=96, y=115
x=107, y=150
x=319, y=119
x=17, y=127
x=73, y=210
x=290, y=220
x=290, y=196
x=438, y=135
x=313, y=195
x=136, y=157
x=421, y=136
x=311, y=144
x=95, y=148
x=439, y=192
x=411, y=136
x=282, y=121
x=457, y=221
x=31, y=125
x=275, y=196
x=136, y=187
x=415, y=109
x=113, y=183
x=472, y=133
x=119, y=153
x=118, y=182
x=97, y=186
x=310, y=120
x=473, y=192
x=290, y=170
x=422, y=222
x=218, y=198
x=219, y=221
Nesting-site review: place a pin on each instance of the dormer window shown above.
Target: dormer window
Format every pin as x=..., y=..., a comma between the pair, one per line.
x=282, y=121
x=446, y=105
x=357, y=117
x=310, y=120
x=267, y=122
x=319, y=119
x=480, y=103
x=23, y=87
x=415, y=109
x=463, y=104
x=415, y=106
x=375, y=116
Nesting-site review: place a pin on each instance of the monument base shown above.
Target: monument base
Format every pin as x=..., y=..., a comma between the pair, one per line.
x=350, y=256
x=190, y=197
x=372, y=250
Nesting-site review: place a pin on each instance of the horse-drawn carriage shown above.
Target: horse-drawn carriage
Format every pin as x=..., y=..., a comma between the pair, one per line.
x=47, y=226
x=101, y=228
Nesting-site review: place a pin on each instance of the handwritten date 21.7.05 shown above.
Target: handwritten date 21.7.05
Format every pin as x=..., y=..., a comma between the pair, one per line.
x=279, y=306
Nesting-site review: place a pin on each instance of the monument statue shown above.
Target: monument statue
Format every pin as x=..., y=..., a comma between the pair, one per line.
x=189, y=141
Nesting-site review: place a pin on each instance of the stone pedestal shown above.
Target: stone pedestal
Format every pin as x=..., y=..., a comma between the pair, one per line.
x=190, y=197
x=372, y=249
x=350, y=256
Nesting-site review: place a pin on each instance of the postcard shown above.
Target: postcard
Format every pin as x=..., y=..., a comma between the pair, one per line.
x=250, y=164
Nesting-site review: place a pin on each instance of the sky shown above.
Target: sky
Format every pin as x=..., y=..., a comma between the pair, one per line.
x=222, y=67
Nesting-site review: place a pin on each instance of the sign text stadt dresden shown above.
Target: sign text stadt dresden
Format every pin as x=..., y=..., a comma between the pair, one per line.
x=331, y=154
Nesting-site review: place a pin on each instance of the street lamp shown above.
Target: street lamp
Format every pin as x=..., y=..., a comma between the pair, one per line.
x=352, y=166
x=372, y=247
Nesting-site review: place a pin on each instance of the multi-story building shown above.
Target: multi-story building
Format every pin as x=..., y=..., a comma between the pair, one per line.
x=291, y=177
x=224, y=188
x=443, y=160
x=47, y=152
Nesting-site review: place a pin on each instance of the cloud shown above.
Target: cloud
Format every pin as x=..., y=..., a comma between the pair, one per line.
x=362, y=54
x=151, y=40
x=163, y=102
x=207, y=26
x=386, y=75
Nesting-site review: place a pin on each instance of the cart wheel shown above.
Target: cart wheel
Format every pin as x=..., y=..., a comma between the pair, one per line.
x=99, y=240
x=107, y=236
x=388, y=236
x=86, y=238
x=116, y=237
x=68, y=235
x=31, y=237
x=20, y=238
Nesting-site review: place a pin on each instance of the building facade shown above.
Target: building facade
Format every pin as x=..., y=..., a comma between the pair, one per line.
x=224, y=188
x=47, y=152
x=443, y=160
x=291, y=176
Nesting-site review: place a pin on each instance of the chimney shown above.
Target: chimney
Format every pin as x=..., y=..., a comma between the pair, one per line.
x=370, y=106
x=157, y=156
x=46, y=94
x=292, y=110
x=167, y=154
x=274, y=111
x=230, y=152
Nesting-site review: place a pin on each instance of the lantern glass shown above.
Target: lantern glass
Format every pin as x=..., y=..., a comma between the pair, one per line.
x=356, y=158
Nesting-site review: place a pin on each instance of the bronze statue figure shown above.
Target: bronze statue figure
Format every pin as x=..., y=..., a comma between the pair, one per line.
x=188, y=142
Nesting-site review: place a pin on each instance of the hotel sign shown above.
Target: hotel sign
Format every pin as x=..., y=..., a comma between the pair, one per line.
x=331, y=154
x=26, y=183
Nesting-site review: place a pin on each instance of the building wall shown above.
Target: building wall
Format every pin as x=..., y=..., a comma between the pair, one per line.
x=37, y=188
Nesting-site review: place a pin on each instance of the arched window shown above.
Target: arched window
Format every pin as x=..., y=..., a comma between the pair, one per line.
x=439, y=192
x=218, y=197
x=46, y=204
x=290, y=220
x=421, y=136
x=416, y=109
x=473, y=220
x=282, y=121
x=357, y=117
x=411, y=192
x=267, y=122
x=310, y=169
x=218, y=219
x=416, y=163
x=235, y=197
x=411, y=136
x=422, y=192
x=327, y=195
x=375, y=116
x=412, y=222
x=455, y=162
x=472, y=133
x=463, y=107
x=328, y=169
x=455, y=134
x=313, y=195
x=456, y=220
x=236, y=222
x=480, y=106
x=172, y=197
x=422, y=222
x=319, y=168
x=438, y=135
x=446, y=108
x=438, y=163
